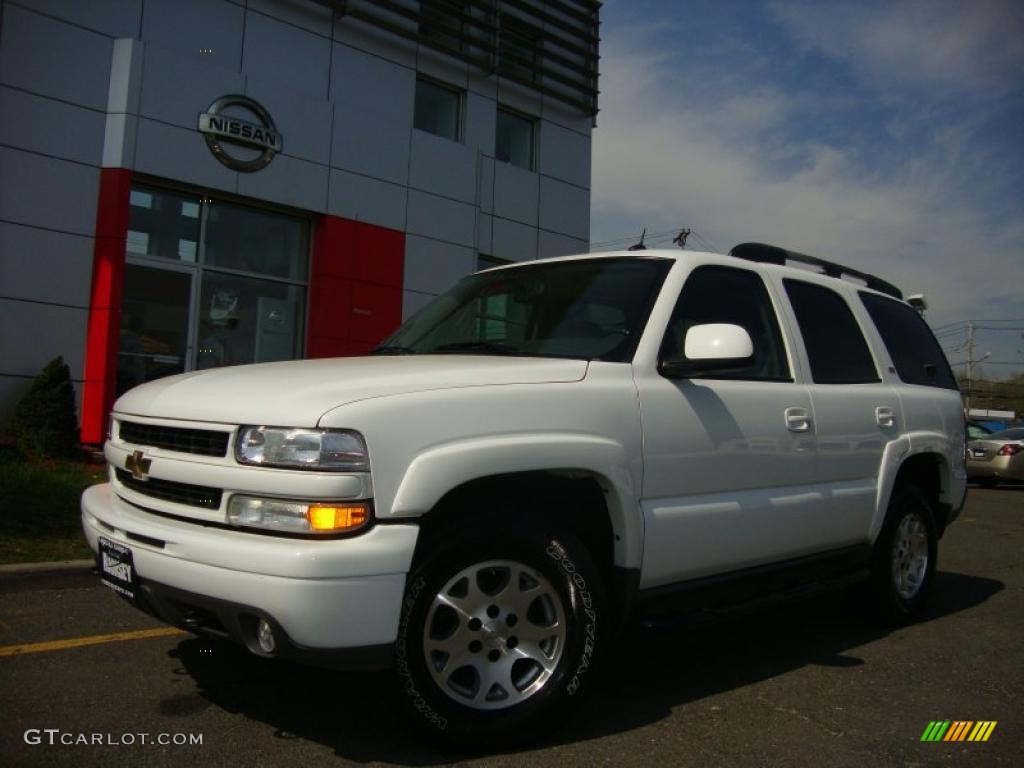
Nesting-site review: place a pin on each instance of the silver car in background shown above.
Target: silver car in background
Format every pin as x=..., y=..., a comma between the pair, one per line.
x=997, y=457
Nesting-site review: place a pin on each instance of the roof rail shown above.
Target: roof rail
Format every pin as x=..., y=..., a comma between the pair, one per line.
x=771, y=254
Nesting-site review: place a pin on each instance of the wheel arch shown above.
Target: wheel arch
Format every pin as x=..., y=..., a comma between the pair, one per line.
x=928, y=470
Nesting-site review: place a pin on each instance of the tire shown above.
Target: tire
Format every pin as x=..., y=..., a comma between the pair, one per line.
x=500, y=632
x=905, y=556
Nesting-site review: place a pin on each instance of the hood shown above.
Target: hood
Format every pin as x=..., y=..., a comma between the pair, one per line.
x=297, y=393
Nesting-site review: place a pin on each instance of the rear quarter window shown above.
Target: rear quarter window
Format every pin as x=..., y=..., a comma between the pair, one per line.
x=912, y=346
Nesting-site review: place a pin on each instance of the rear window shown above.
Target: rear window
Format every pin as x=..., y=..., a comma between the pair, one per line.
x=1017, y=433
x=835, y=345
x=915, y=352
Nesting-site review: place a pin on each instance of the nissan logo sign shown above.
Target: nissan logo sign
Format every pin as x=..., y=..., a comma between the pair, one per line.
x=219, y=129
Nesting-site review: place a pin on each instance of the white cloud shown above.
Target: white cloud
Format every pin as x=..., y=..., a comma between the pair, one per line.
x=929, y=45
x=664, y=160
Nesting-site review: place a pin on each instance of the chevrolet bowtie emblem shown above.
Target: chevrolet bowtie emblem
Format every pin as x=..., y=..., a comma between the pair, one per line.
x=137, y=465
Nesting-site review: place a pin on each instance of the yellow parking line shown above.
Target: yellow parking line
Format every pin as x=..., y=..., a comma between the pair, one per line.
x=78, y=642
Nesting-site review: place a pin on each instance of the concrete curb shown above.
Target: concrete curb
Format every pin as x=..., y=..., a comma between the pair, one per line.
x=61, y=565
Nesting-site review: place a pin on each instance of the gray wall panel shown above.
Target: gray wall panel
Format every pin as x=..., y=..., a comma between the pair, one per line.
x=413, y=302
x=365, y=199
x=191, y=26
x=564, y=209
x=49, y=57
x=362, y=37
x=54, y=330
x=30, y=258
x=49, y=193
x=481, y=122
x=440, y=218
x=485, y=233
x=288, y=181
x=304, y=122
x=291, y=56
x=51, y=127
x=515, y=193
x=370, y=145
x=180, y=153
x=176, y=88
x=113, y=18
x=301, y=13
x=12, y=389
x=549, y=244
x=443, y=167
x=434, y=267
x=514, y=241
x=564, y=154
x=368, y=85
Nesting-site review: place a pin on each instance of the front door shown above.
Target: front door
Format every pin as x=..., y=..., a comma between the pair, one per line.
x=729, y=462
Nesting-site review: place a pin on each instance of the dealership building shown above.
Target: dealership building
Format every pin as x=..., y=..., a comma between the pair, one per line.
x=195, y=183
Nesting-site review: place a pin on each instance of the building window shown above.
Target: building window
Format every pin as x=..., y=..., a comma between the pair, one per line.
x=208, y=283
x=438, y=109
x=514, y=140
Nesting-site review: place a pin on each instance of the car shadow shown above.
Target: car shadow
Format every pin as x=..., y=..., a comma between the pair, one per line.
x=648, y=673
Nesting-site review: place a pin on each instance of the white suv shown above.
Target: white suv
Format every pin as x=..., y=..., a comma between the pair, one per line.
x=539, y=454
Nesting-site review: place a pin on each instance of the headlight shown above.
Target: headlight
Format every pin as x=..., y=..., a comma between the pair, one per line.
x=323, y=449
x=298, y=516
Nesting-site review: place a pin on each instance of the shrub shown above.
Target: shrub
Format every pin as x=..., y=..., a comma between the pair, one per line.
x=45, y=422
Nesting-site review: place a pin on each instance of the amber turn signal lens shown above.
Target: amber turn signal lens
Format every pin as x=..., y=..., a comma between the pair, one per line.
x=337, y=519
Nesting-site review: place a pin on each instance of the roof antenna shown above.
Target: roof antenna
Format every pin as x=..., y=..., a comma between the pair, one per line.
x=680, y=239
x=639, y=246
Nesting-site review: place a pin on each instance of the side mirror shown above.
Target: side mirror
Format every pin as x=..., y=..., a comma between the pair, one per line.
x=711, y=348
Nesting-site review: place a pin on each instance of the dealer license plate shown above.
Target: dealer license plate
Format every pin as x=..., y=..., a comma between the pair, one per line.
x=117, y=569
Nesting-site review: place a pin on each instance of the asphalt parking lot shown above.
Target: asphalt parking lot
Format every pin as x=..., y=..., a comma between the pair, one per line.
x=812, y=683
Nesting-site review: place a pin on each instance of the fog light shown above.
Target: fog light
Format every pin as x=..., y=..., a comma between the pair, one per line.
x=265, y=637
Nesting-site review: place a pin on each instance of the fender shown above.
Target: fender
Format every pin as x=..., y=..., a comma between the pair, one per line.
x=893, y=458
x=440, y=468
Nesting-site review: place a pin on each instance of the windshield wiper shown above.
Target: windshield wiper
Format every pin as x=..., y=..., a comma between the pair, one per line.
x=392, y=349
x=492, y=347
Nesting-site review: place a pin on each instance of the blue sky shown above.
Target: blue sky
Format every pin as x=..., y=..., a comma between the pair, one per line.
x=884, y=135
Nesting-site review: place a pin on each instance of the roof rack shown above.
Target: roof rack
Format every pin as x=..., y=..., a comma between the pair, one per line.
x=771, y=254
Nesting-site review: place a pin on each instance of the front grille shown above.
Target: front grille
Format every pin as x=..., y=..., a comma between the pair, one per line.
x=169, y=490
x=205, y=442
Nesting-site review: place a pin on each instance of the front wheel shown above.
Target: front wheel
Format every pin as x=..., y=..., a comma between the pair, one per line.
x=499, y=633
x=903, y=565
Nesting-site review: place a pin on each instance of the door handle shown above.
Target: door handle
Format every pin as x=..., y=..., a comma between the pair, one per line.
x=885, y=417
x=797, y=420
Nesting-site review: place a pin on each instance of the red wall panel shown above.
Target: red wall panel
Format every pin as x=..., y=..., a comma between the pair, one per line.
x=355, y=286
x=104, y=324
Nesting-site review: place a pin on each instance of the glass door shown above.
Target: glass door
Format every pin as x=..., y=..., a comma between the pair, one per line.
x=208, y=283
x=155, y=334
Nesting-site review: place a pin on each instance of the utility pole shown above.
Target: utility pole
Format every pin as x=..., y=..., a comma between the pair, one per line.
x=970, y=366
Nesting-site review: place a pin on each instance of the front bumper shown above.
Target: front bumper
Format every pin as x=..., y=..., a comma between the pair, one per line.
x=323, y=596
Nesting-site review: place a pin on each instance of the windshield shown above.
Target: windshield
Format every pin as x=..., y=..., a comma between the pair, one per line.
x=592, y=309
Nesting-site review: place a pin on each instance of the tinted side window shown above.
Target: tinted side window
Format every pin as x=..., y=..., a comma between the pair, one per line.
x=736, y=296
x=915, y=352
x=835, y=345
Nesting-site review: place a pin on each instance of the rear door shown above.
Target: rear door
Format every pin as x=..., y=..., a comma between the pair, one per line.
x=856, y=413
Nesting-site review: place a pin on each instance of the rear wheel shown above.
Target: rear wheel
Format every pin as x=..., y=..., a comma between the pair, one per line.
x=499, y=633
x=903, y=563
